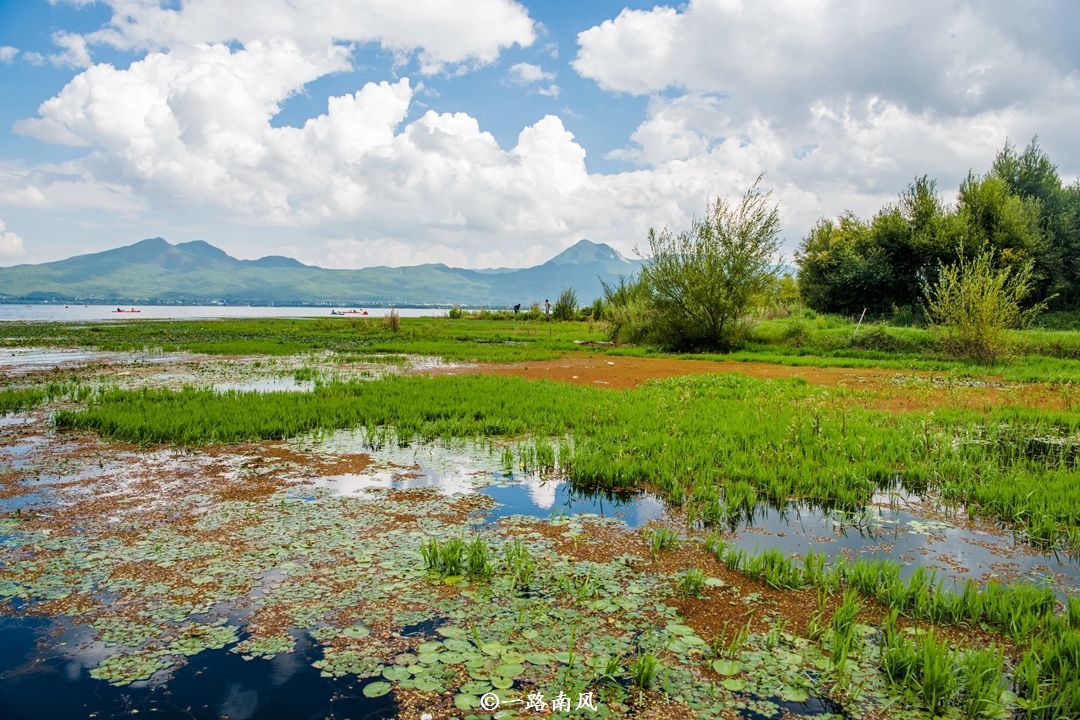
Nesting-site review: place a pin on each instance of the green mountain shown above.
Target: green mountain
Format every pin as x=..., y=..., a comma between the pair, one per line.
x=155, y=271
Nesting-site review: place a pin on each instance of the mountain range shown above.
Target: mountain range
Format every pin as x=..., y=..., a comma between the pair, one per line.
x=155, y=271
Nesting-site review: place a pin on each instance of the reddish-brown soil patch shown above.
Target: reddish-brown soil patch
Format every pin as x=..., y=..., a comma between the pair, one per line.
x=615, y=371
x=878, y=388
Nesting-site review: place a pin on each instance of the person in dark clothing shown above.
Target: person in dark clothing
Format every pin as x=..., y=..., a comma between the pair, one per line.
x=517, y=308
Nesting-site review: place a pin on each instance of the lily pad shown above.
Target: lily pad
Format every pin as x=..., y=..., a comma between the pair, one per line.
x=376, y=689
x=727, y=667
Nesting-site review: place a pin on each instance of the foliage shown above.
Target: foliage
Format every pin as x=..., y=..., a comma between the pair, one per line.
x=1020, y=209
x=566, y=305
x=703, y=281
x=629, y=311
x=973, y=303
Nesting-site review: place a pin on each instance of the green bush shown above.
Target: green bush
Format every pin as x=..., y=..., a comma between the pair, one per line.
x=565, y=307
x=703, y=282
x=973, y=304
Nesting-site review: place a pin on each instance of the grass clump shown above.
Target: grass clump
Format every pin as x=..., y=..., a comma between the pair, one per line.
x=660, y=539
x=644, y=670
x=454, y=557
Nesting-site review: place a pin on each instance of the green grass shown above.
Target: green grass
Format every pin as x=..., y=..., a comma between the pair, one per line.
x=464, y=339
x=1040, y=355
x=714, y=444
x=19, y=399
x=16, y=399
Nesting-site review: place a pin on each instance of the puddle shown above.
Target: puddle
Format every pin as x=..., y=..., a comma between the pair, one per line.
x=896, y=532
x=19, y=361
x=466, y=468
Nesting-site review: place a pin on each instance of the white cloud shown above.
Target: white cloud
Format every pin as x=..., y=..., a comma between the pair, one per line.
x=8, y=53
x=944, y=57
x=11, y=245
x=523, y=73
x=841, y=105
x=74, y=52
x=187, y=129
x=466, y=31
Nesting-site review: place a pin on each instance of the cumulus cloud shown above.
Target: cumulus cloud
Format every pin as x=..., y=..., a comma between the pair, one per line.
x=11, y=245
x=8, y=53
x=840, y=112
x=942, y=57
x=840, y=104
x=466, y=31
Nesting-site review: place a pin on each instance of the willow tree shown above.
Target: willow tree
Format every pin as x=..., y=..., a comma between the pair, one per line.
x=704, y=281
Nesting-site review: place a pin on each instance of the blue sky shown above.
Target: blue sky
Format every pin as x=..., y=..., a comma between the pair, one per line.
x=495, y=132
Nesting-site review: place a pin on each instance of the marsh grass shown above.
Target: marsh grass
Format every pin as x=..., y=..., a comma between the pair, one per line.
x=691, y=583
x=454, y=557
x=645, y=670
x=824, y=341
x=662, y=436
x=660, y=539
x=26, y=398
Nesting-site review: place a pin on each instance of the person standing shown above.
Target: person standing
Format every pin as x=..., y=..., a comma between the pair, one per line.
x=547, y=309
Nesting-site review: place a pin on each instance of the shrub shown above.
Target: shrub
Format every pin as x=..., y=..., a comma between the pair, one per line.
x=565, y=306
x=392, y=321
x=703, y=281
x=456, y=313
x=973, y=303
x=628, y=310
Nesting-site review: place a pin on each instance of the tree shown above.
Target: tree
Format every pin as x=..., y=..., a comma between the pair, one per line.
x=703, y=280
x=1031, y=176
x=974, y=302
x=842, y=269
x=565, y=306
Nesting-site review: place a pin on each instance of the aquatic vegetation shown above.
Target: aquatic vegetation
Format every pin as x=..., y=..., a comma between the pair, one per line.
x=663, y=435
x=644, y=670
x=25, y=398
x=454, y=557
x=691, y=583
x=982, y=677
x=659, y=539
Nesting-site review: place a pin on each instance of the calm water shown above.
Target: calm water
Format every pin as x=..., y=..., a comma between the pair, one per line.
x=60, y=313
x=44, y=663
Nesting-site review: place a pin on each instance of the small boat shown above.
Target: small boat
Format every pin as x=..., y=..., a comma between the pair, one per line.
x=130, y=310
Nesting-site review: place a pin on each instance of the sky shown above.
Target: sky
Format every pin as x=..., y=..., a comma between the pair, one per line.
x=487, y=133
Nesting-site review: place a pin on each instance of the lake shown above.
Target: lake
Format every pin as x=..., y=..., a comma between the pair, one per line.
x=56, y=312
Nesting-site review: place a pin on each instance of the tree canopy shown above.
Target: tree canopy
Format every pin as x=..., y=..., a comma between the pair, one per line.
x=1020, y=210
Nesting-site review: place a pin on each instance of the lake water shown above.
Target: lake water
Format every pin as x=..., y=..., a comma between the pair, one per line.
x=72, y=312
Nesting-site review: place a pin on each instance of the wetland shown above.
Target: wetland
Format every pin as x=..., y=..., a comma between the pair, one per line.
x=257, y=519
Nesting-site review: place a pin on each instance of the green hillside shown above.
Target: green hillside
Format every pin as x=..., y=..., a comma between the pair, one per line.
x=155, y=271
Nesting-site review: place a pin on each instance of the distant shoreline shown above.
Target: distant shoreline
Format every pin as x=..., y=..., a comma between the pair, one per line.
x=382, y=305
